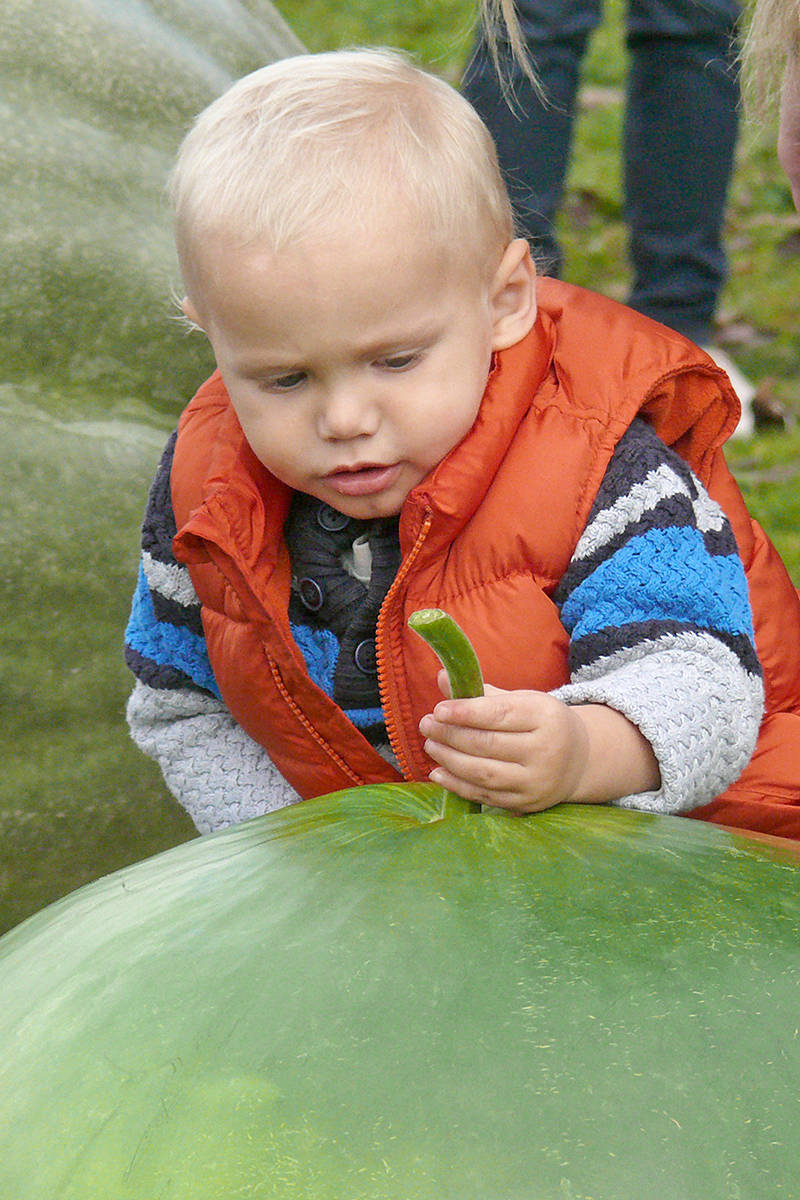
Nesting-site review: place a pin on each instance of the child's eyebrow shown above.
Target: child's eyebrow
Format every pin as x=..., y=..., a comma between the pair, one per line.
x=257, y=370
x=413, y=337
x=409, y=338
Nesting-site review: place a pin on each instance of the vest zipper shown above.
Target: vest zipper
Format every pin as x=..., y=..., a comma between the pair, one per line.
x=381, y=648
x=321, y=741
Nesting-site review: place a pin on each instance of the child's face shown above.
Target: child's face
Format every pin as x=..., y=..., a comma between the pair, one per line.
x=355, y=365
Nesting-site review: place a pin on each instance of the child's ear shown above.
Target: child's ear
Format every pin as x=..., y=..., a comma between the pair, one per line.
x=190, y=312
x=512, y=295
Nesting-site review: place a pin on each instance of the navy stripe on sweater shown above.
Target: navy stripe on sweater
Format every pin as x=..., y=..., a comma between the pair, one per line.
x=159, y=527
x=637, y=636
x=158, y=675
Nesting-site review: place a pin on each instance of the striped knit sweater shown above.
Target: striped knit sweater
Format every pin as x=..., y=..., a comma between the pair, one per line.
x=654, y=601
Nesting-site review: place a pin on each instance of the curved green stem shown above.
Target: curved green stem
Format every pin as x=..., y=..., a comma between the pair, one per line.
x=454, y=650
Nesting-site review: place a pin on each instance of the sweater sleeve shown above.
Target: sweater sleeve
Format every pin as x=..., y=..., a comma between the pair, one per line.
x=176, y=715
x=656, y=605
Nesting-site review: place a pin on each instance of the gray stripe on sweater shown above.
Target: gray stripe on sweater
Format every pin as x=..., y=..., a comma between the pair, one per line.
x=219, y=774
x=170, y=580
x=666, y=688
x=657, y=485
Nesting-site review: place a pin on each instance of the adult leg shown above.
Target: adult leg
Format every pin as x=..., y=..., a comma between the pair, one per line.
x=533, y=138
x=680, y=136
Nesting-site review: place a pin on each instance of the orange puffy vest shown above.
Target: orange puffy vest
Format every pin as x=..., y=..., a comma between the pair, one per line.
x=487, y=536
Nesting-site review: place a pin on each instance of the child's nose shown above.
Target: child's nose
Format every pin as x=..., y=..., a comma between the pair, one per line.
x=347, y=412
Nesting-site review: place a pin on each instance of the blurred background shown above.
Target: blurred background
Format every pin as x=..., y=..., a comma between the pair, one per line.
x=95, y=96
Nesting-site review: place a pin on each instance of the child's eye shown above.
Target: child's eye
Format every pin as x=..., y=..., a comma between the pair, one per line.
x=285, y=383
x=399, y=362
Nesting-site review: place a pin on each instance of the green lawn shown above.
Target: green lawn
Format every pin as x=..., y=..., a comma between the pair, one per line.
x=94, y=369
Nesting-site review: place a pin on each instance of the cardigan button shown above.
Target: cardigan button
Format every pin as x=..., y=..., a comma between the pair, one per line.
x=364, y=657
x=330, y=519
x=310, y=593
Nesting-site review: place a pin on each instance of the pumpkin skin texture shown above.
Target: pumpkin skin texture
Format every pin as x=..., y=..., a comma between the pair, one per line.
x=359, y=999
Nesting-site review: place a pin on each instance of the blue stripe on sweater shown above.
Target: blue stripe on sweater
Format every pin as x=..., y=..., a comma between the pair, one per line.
x=167, y=644
x=320, y=649
x=666, y=574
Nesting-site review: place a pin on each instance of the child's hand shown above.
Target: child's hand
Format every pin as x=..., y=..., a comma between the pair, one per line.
x=527, y=751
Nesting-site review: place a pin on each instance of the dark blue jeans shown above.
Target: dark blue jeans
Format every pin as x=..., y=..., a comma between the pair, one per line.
x=679, y=140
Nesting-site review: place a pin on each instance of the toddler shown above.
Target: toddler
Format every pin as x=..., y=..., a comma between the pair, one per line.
x=403, y=417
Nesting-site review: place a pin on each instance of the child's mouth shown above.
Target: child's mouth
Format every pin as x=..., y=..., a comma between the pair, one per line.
x=363, y=480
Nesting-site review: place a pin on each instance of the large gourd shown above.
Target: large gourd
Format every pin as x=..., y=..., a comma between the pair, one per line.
x=95, y=97
x=360, y=999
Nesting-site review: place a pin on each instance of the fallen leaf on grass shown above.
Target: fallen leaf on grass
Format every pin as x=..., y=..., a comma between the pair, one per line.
x=768, y=410
x=737, y=332
x=778, y=473
x=789, y=247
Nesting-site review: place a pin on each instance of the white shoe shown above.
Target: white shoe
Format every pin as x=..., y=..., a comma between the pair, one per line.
x=742, y=386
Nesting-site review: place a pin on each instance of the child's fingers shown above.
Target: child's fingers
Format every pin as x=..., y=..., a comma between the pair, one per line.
x=481, y=777
x=471, y=792
x=512, y=712
x=476, y=742
x=511, y=797
x=443, y=680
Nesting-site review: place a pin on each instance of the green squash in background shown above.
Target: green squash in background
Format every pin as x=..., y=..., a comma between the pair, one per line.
x=355, y=999
x=95, y=96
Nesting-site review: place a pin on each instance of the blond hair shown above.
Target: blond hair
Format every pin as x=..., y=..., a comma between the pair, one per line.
x=772, y=40
x=318, y=138
x=501, y=24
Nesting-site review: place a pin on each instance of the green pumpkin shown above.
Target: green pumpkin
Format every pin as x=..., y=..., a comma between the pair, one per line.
x=360, y=999
x=94, y=370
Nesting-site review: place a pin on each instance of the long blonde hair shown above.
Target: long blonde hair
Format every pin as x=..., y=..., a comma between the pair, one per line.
x=772, y=39
x=500, y=22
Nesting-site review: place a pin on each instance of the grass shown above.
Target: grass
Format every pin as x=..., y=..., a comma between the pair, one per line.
x=93, y=372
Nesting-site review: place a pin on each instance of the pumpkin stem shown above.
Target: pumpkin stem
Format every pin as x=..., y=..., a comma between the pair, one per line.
x=454, y=650
x=453, y=805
